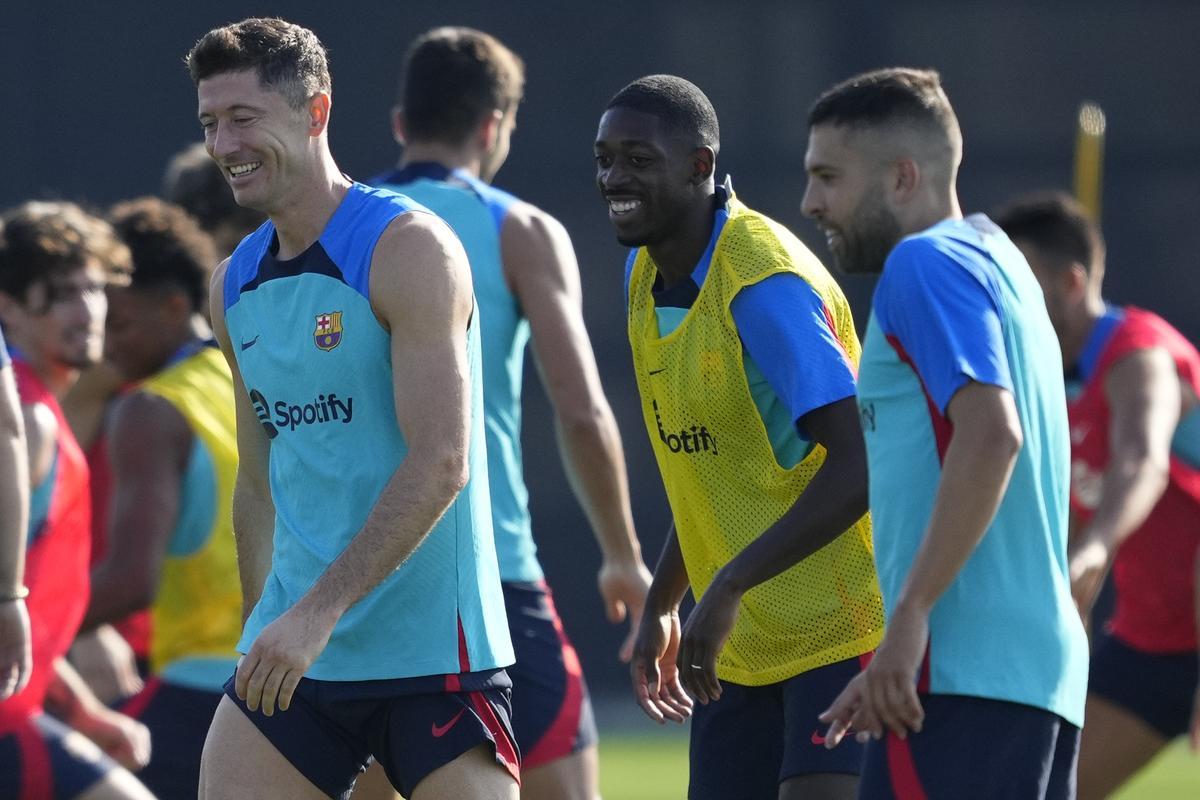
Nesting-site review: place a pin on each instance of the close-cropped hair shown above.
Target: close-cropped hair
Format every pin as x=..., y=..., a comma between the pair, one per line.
x=452, y=79
x=678, y=103
x=170, y=251
x=1058, y=227
x=42, y=241
x=897, y=95
x=288, y=58
x=194, y=182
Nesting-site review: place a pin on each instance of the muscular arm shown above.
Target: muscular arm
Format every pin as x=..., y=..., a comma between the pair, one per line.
x=149, y=446
x=540, y=266
x=1144, y=398
x=253, y=508
x=14, y=519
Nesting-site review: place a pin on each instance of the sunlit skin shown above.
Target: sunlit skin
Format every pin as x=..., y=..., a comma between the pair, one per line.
x=483, y=157
x=657, y=187
x=846, y=196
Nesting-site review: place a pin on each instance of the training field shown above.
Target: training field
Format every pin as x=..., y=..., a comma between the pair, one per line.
x=652, y=765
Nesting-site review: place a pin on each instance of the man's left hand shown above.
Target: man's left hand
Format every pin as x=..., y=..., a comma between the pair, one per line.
x=704, y=635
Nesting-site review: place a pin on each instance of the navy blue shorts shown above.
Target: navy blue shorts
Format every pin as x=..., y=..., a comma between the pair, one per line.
x=1156, y=688
x=977, y=748
x=39, y=762
x=552, y=713
x=178, y=719
x=755, y=737
x=411, y=726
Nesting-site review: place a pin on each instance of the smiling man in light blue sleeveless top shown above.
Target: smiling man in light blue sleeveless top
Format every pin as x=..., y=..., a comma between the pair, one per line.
x=376, y=626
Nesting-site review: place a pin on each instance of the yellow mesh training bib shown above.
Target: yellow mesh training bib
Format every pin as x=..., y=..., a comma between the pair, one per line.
x=721, y=475
x=198, y=608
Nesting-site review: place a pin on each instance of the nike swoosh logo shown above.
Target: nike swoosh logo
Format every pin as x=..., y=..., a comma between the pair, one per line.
x=818, y=739
x=440, y=731
x=656, y=371
x=251, y=343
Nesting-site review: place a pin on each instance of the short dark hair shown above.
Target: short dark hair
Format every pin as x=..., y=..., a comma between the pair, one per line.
x=288, y=58
x=679, y=103
x=40, y=241
x=169, y=248
x=452, y=79
x=194, y=182
x=1058, y=227
x=888, y=96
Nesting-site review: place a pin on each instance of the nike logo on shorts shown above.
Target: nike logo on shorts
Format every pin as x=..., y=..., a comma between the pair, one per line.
x=440, y=731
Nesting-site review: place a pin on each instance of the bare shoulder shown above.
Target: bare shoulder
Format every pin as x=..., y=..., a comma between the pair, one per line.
x=529, y=225
x=418, y=263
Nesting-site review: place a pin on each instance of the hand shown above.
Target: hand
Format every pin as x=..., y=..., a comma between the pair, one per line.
x=107, y=664
x=884, y=696
x=652, y=668
x=1088, y=566
x=16, y=657
x=623, y=587
x=123, y=738
x=708, y=627
x=279, y=657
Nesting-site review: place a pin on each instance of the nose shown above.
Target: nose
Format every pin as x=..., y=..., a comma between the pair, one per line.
x=811, y=205
x=610, y=177
x=222, y=142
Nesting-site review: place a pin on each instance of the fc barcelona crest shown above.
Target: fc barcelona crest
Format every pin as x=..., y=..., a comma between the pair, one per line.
x=328, y=334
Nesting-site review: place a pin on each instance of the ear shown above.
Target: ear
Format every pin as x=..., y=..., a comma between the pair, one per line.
x=398, y=125
x=318, y=113
x=489, y=130
x=1075, y=281
x=704, y=163
x=904, y=179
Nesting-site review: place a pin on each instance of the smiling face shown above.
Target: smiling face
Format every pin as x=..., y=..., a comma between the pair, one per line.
x=845, y=196
x=645, y=175
x=60, y=321
x=260, y=141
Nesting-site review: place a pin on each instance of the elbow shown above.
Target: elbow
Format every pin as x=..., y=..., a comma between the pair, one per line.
x=450, y=470
x=1007, y=439
x=584, y=423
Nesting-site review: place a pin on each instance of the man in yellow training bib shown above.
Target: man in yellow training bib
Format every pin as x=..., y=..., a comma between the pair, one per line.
x=745, y=355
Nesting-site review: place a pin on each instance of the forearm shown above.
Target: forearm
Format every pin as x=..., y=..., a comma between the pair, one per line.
x=595, y=465
x=1131, y=487
x=68, y=697
x=833, y=501
x=14, y=491
x=414, y=499
x=254, y=531
x=670, y=578
x=975, y=475
x=114, y=596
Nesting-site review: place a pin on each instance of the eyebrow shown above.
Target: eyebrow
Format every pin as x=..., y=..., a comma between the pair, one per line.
x=234, y=108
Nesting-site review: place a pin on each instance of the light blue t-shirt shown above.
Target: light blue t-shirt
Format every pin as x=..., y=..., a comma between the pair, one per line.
x=476, y=212
x=317, y=366
x=958, y=303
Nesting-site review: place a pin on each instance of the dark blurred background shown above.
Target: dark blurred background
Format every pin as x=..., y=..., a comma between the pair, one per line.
x=98, y=99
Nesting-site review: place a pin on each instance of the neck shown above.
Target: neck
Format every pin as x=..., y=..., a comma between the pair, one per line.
x=58, y=378
x=932, y=210
x=444, y=154
x=677, y=256
x=1075, y=339
x=300, y=223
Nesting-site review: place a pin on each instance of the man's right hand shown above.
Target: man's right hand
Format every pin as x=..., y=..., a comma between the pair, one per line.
x=122, y=738
x=655, y=676
x=16, y=659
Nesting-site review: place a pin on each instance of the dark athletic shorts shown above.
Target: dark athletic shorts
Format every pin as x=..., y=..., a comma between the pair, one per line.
x=976, y=748
x=552, y=713
x=755, y=737
x=411, y=726
x=38, y=762
x=178, y=719
x=1157, y=688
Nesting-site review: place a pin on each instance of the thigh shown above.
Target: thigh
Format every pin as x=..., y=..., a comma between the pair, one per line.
x=573, y=777
x=736, y=746
x=552, y=713
x=1157, y=689
x=178, y=719
x=296, y=753
x=804, y=697
x=471, y=776
x=1116, y=743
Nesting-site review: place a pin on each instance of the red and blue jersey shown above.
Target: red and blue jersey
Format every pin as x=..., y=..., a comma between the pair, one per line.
x=1154, y=566
x=56, y=562
x=958, y=303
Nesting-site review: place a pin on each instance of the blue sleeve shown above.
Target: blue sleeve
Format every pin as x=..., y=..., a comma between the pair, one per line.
x=4, y=359
x=629, y=260
x=941, y=312
x=784, y=329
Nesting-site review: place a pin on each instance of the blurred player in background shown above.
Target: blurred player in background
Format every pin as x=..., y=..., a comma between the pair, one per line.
x=455, y=113
x=172, y=443
x=1135, y=488
x=194, y=182
x=745, y=355
x=54, y=264
x=15, y=654
x=376, y=621
x=977, y=689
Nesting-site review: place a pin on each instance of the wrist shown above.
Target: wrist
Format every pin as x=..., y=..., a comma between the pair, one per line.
x=912, y=606
x=727, y=582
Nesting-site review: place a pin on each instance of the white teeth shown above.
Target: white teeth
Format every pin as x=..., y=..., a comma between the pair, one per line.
x=239, y=170
x=624, y=206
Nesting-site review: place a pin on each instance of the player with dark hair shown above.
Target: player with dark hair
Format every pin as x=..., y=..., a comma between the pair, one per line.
x=977, y=689
x=194, y=182
x=173, y=452
x=745, y=355
x=456, y=110
x=1133, y=383
x=54, y=263
x=375, y=624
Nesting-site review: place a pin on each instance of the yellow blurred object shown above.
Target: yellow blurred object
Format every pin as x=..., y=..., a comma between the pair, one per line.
x=1089, y=157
